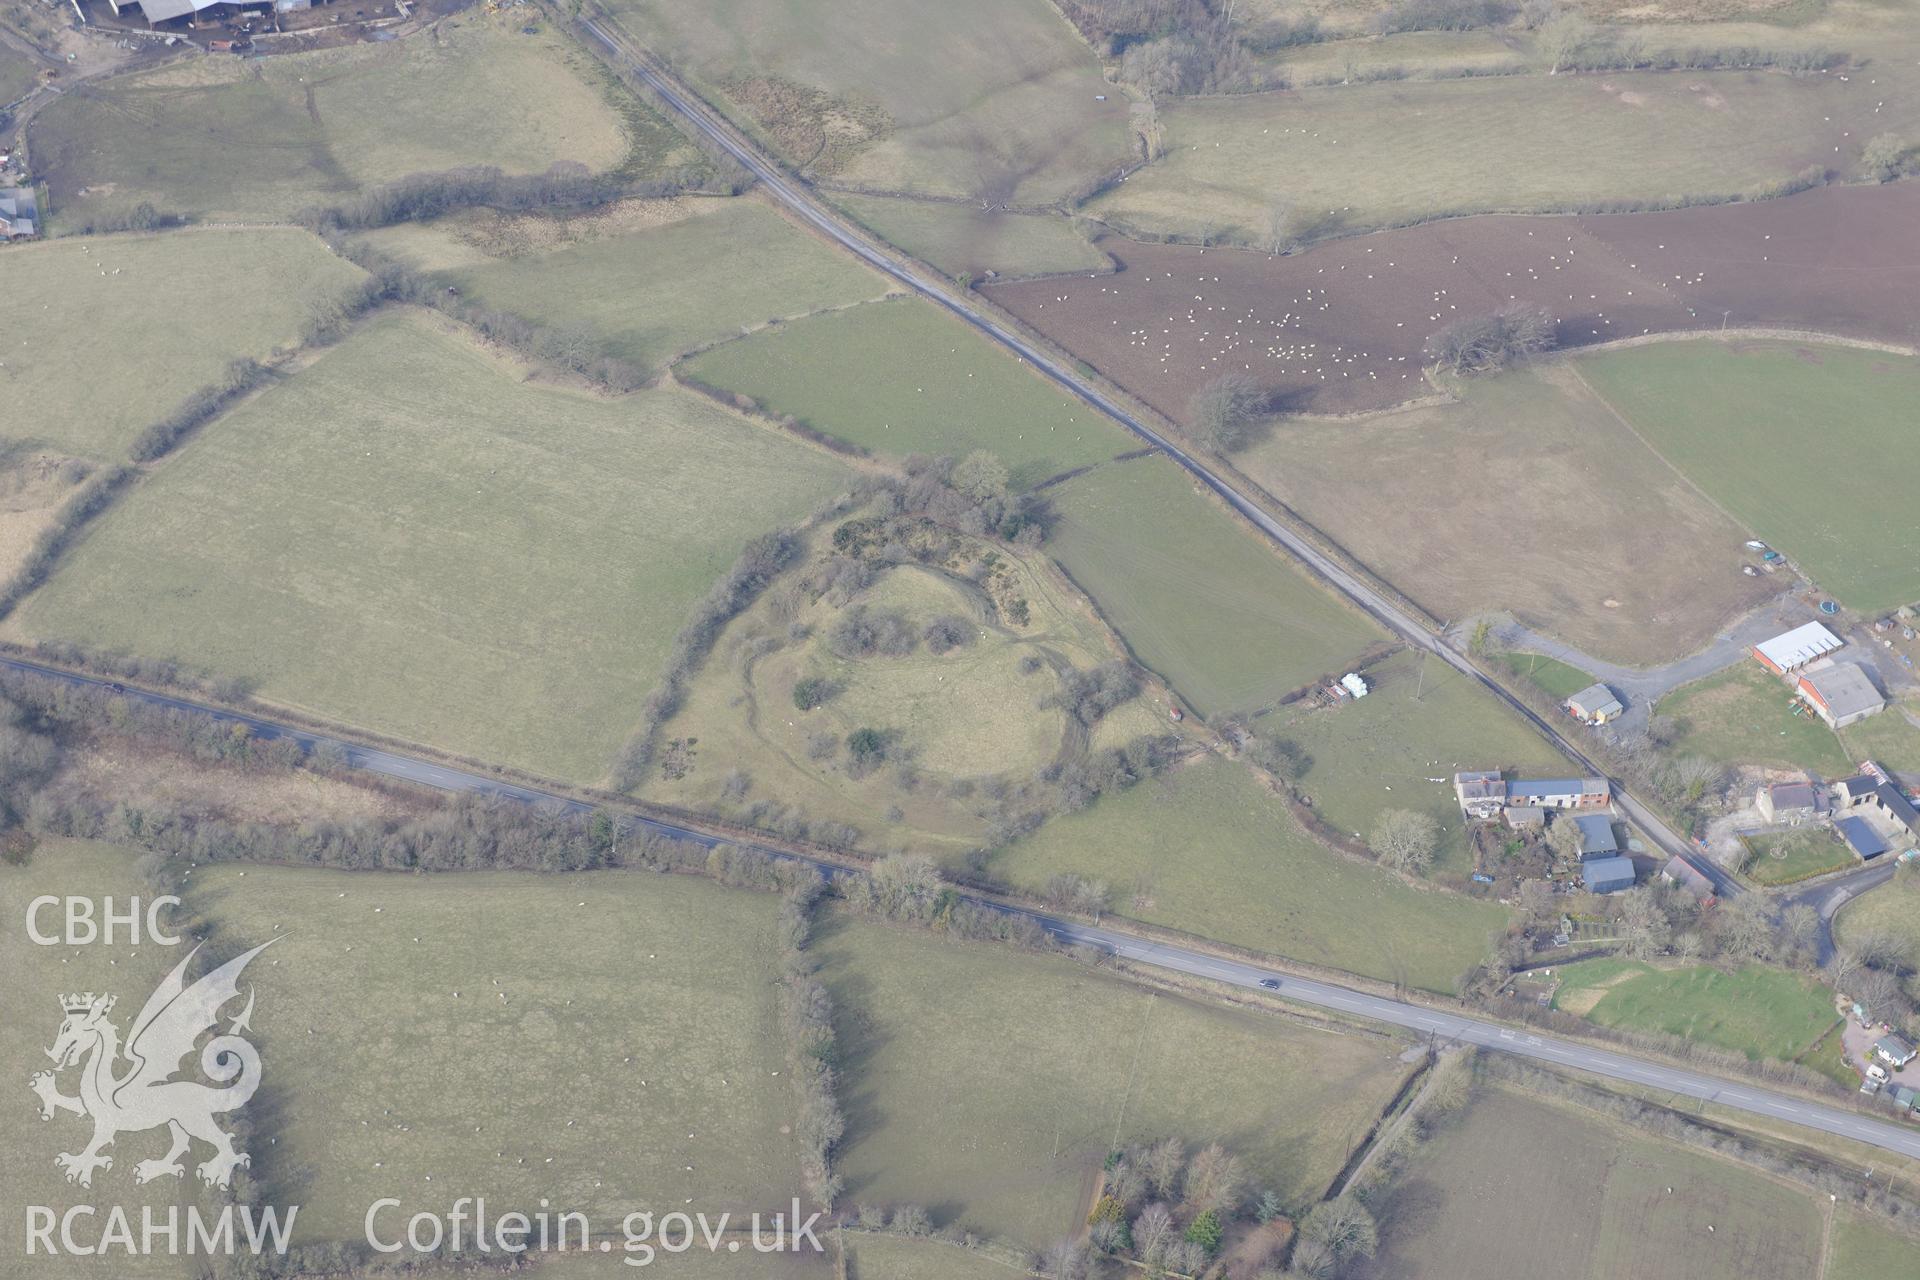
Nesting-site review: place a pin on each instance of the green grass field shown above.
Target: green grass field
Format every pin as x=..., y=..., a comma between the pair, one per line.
x=1383, y=154
x=1691, y=398
x=1199, y=598
x=259, y=139
x=937, y=1114
x=34, y=485
x=608, y=1032
x=1795, y=856
x=963, y=241
x=968, y=713
x=1890, y=738
x=650, y=294
x=1868, y=1247
x=1207, y=850
x=997, y=96
x=1640, y=570
x=1760, y=1011
x=37, y=977
x=17, y=74
x=955, y=720
x=1521, y=1186
x=697, y=1263
x=883, y=1257
x=876, y=377
x=1555, y=679
x=1378, y=753
x=1413, y=54
x=172, y=309
x=406, y=538
x=962, y=713
x=1745, y=715
x=1893, y=909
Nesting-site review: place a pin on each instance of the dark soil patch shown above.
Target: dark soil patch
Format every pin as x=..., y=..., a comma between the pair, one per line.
x=1340, y=328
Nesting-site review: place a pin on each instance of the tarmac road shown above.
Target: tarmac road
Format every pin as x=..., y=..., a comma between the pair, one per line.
x=1827, y=897
x=803, y=205
x=1441, y=1025
x=1436, y=1023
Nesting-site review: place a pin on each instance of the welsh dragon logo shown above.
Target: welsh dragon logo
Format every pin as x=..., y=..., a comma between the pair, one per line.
x=143, y=1094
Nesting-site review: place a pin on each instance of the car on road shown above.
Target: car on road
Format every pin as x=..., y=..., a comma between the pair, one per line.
x=1270, y=984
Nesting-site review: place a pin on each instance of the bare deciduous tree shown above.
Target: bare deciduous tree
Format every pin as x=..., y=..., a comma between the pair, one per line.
x=1481, y=344
x=1563, y=36
x=980, y=475
x=1225, y=409
x=1163, y=1162
x=1344, y=1226
x=1406, y=840
x=1746, y=930
x=1536, y=900
x=1152, y=1233
x=1066, y=1260
x=1215, y=1179
x=1644, y=924
x=1802, y=923
x=1884, y=156
x=1563, y=836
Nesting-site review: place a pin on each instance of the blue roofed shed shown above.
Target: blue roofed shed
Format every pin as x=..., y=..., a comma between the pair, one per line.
x=1607, y=875
x=1861, y=837
x=1596, y=836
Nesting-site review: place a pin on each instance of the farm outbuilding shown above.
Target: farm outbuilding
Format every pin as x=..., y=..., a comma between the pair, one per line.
x=158, y=11
x=1857, y=790
x=1860, y=836
x=1596, y=836
x=1562, y=793
x=1523, y=817
x=1685, y=876
x=1596, y=704
x=1876, y=791
x=1785, y=802
x=1791, y=650
x=1841, y=694
x=1607, y=875
x=17, y=214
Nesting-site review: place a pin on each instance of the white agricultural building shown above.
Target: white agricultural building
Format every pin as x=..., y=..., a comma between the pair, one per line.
x=1791, y=650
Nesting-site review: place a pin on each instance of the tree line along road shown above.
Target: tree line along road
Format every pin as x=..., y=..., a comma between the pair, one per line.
x=619, y=47
x=1436, y=1024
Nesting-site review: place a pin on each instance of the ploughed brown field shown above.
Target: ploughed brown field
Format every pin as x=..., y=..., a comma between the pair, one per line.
x=1340, y=327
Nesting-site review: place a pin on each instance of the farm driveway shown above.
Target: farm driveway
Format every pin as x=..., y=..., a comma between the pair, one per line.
x=1859, y=1042
x=1641, y=687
